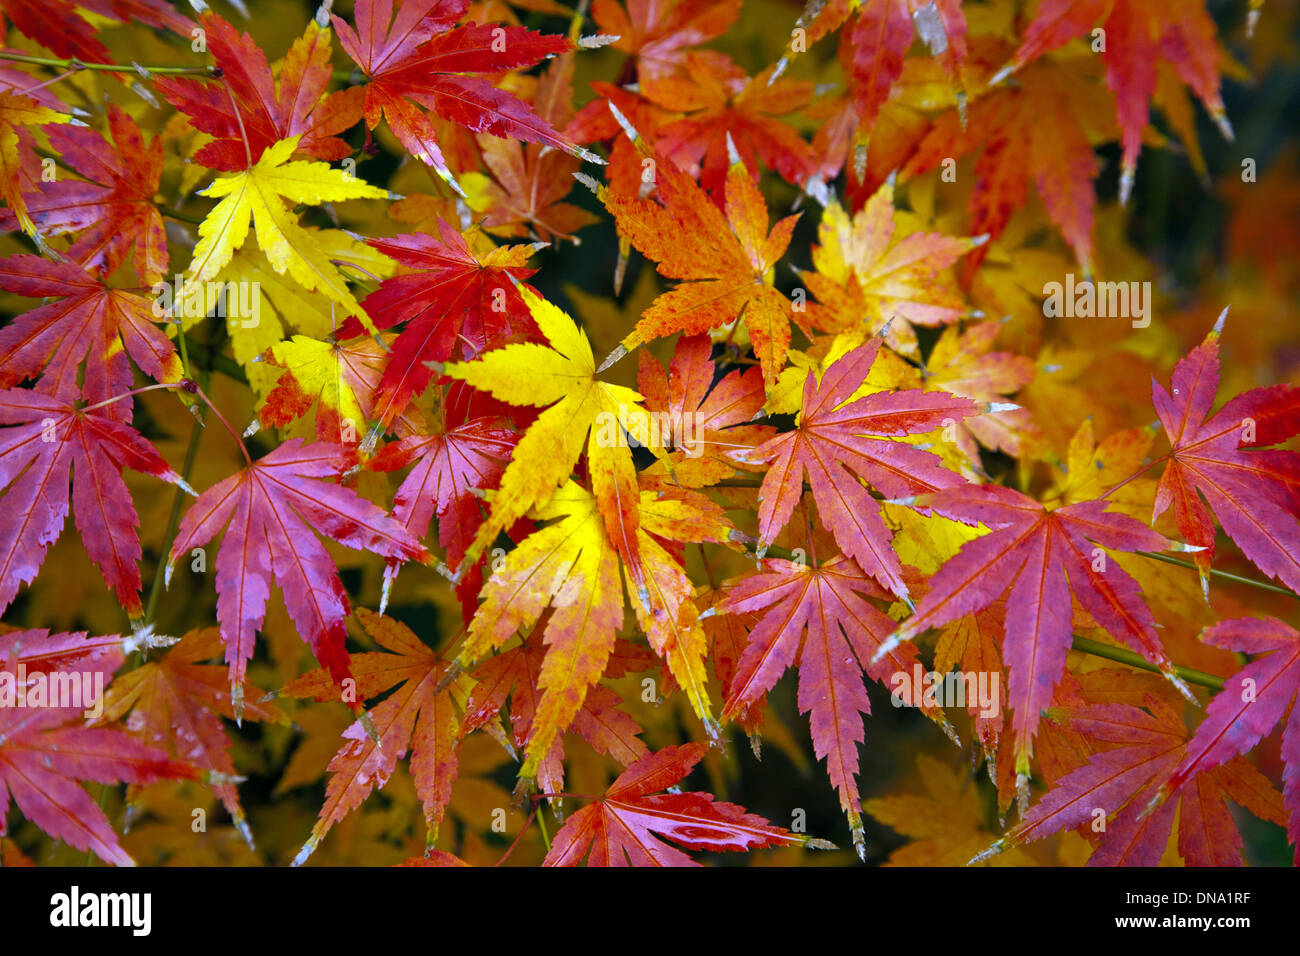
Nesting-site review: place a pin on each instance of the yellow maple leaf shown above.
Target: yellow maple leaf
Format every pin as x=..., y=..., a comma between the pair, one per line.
x=946, y=822
x=16, y=111
x=257, y=197
x=571, y=566
x=871, y=272
x=283, y=305
x=561, y=375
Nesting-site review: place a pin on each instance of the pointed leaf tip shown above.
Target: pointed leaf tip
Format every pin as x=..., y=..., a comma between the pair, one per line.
x=624, y=122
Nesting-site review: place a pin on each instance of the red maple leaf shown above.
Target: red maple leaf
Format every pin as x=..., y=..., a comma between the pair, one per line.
x=49, y=446
x=90, y=323
x=249, y=111
x=726, y=258
x=1250, y=705
x=656, y=34
x=1138, y=35
x=1254, y=492
x=422, y=59
x=820, y=618
x=722, y=103
x=1137, y=749
x=1042, y=556
x=271, y=510
x=839, y=443
x=469, y=455
x=45, y=749
x=1037, y=130
x=56, y=24
x=451, y=297
x=624, y=827
x=418, y=716
x=176, y=704
x=709, y=430
x=113, y=207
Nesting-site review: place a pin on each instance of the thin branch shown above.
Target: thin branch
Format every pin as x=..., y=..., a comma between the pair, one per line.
x=73, y=64
x=180, y=216
x=1133, y=659
x=1226, y=575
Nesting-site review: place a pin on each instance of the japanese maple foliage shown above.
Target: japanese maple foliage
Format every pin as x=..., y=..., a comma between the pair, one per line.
x=409, y=247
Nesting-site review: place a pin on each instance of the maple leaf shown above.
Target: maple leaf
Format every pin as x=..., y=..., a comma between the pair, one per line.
x=58, y=25
x=1254, y=492
x=725, y=106
x=868, y=274
x=454, y=296
x=113, y=207
x=572, y=567
x=1251, y=703
x=17, y=112
x=656, y=34
x=423, y=58
x=45, y=749
x=562, y=375
x=946, y=822
x=338, y=378
x=820, y=618
x=839, y=442
x=249, y=111
x=628, y=824
x=467, y=456
x=1038, y=130
x=49, y=445
x=1042, y=557
x=1142, y=748
x=1139, y=35
x=873, y=47
x=970, y=645
x=961, y=363
x=283, y=307
x=531, y=180
x=414, y=717
x=706, y=425
x=256, y=196
x=176, y=705
x=516, y=674
x=727, y=260
x=271, y=508
x=91, y=324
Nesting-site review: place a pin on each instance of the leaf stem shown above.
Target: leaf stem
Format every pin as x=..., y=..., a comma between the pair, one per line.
x=541, y=823
x=180, y=216
x=72, y=64
x=132, y=392
x=222, y=418
x=1226, y=575
x=522, y=830
x=1133, y=659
